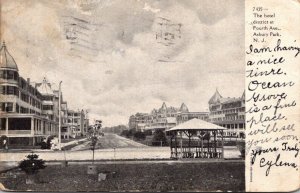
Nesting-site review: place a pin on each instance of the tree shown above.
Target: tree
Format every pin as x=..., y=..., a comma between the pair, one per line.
x=32, y=164
x=148, y=132
x=94, y=140
x=159, y=138
x=139, y=135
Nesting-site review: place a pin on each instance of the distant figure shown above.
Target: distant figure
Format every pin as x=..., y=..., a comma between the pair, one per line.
x=5, y=144
x=44, y=144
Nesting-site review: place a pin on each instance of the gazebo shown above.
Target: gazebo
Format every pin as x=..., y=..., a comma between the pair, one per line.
x=201, y=140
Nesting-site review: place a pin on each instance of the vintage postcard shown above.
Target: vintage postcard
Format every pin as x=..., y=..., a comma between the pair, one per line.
x=149, y=95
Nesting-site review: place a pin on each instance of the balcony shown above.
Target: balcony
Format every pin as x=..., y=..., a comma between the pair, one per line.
x=19, y=132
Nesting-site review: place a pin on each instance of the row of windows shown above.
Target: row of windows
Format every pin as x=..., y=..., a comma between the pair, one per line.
x=73, y=114
x=12, y=90
x=27, y=87
x=9, y=107
x=242, y=109
x=6, y=107
x=234, y=126
x=9, y=90
x=9, y=75
x=229, y=118
x=48, y=107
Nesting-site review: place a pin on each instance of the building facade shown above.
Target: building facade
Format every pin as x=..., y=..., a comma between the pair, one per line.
x=77, y=122
x=163, y=118
x=228, y=113
x=28, y=111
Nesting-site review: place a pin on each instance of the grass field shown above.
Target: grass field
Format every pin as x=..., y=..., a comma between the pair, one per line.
x=154, y=177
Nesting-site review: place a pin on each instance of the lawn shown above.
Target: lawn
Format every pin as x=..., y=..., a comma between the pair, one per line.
x=152, y=177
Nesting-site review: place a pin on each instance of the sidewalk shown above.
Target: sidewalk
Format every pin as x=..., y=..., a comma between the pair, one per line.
x=73, y=142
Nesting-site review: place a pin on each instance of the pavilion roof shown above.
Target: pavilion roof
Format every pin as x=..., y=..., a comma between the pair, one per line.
x=196, y=124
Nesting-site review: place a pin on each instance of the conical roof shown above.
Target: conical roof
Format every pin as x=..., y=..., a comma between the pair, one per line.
x=215, y=98
x=163, y=108
x=183, y=108
x=6, y=60
x=45, y=87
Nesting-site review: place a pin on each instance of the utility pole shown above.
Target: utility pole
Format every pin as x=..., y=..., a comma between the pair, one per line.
x=59, y=115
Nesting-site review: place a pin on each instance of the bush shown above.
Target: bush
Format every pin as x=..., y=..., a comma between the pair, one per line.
x=148, y=132
x=32, y=164
x=128, y=133
x=159, y=138
x=139, y=135
x=124, y=133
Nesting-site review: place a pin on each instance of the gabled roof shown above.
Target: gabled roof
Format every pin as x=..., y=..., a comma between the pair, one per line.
x=196, y=124
x=6, y=60
x=215, y=98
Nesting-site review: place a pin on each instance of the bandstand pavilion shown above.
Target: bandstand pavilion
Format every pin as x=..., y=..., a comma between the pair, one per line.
x=197, y=139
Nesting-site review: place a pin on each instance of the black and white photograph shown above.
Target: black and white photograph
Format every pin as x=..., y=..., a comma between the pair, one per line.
x=122, y=96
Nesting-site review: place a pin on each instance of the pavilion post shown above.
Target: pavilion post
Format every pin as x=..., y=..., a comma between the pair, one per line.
x=181, y=149
x=189, y=135
x=171, y=145
x=215, y=133
x=202, y=153
x=208, y=140
x=222, y=145
x=176, y=144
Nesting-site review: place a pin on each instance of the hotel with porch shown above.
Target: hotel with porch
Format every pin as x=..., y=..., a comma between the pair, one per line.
x=163, y=118
x=228, y=113
x=225, y=112
x=28, y=111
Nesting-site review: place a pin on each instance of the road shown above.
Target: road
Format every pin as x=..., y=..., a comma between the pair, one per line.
x=112, y=147
x=110, y=141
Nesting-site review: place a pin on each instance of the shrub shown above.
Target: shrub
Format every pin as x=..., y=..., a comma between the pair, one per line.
x=148, y=132
x=139, y=135
x=124, y=133
x=32, y=164
x=159, y=138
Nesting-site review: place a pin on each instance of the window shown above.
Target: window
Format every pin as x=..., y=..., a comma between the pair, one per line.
x=47, y=107
x=7, y=107
x=9, y=90
x=17, y=108
x=2, y=124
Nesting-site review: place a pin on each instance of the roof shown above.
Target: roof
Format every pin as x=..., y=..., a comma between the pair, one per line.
x=183, y=108
x=45, y=88
x=196, y=124
x=215, y=98
x=6, y=60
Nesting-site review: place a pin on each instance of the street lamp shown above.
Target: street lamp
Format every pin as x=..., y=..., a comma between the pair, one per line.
x=59, y=115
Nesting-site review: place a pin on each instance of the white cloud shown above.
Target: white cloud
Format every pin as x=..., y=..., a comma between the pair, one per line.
x=125, y=76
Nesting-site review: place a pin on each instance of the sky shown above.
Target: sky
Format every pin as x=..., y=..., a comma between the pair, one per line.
x=113, y=59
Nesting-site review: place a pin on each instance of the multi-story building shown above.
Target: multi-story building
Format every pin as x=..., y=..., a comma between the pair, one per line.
x=77, y=123
x=228, y=113
x=26, y=114
x=163, y=118
x=30, y=111
x=64, y=120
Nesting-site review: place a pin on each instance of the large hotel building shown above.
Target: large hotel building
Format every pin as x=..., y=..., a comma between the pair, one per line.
x=29, y=111
x=226, y=112
x=163, y=118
